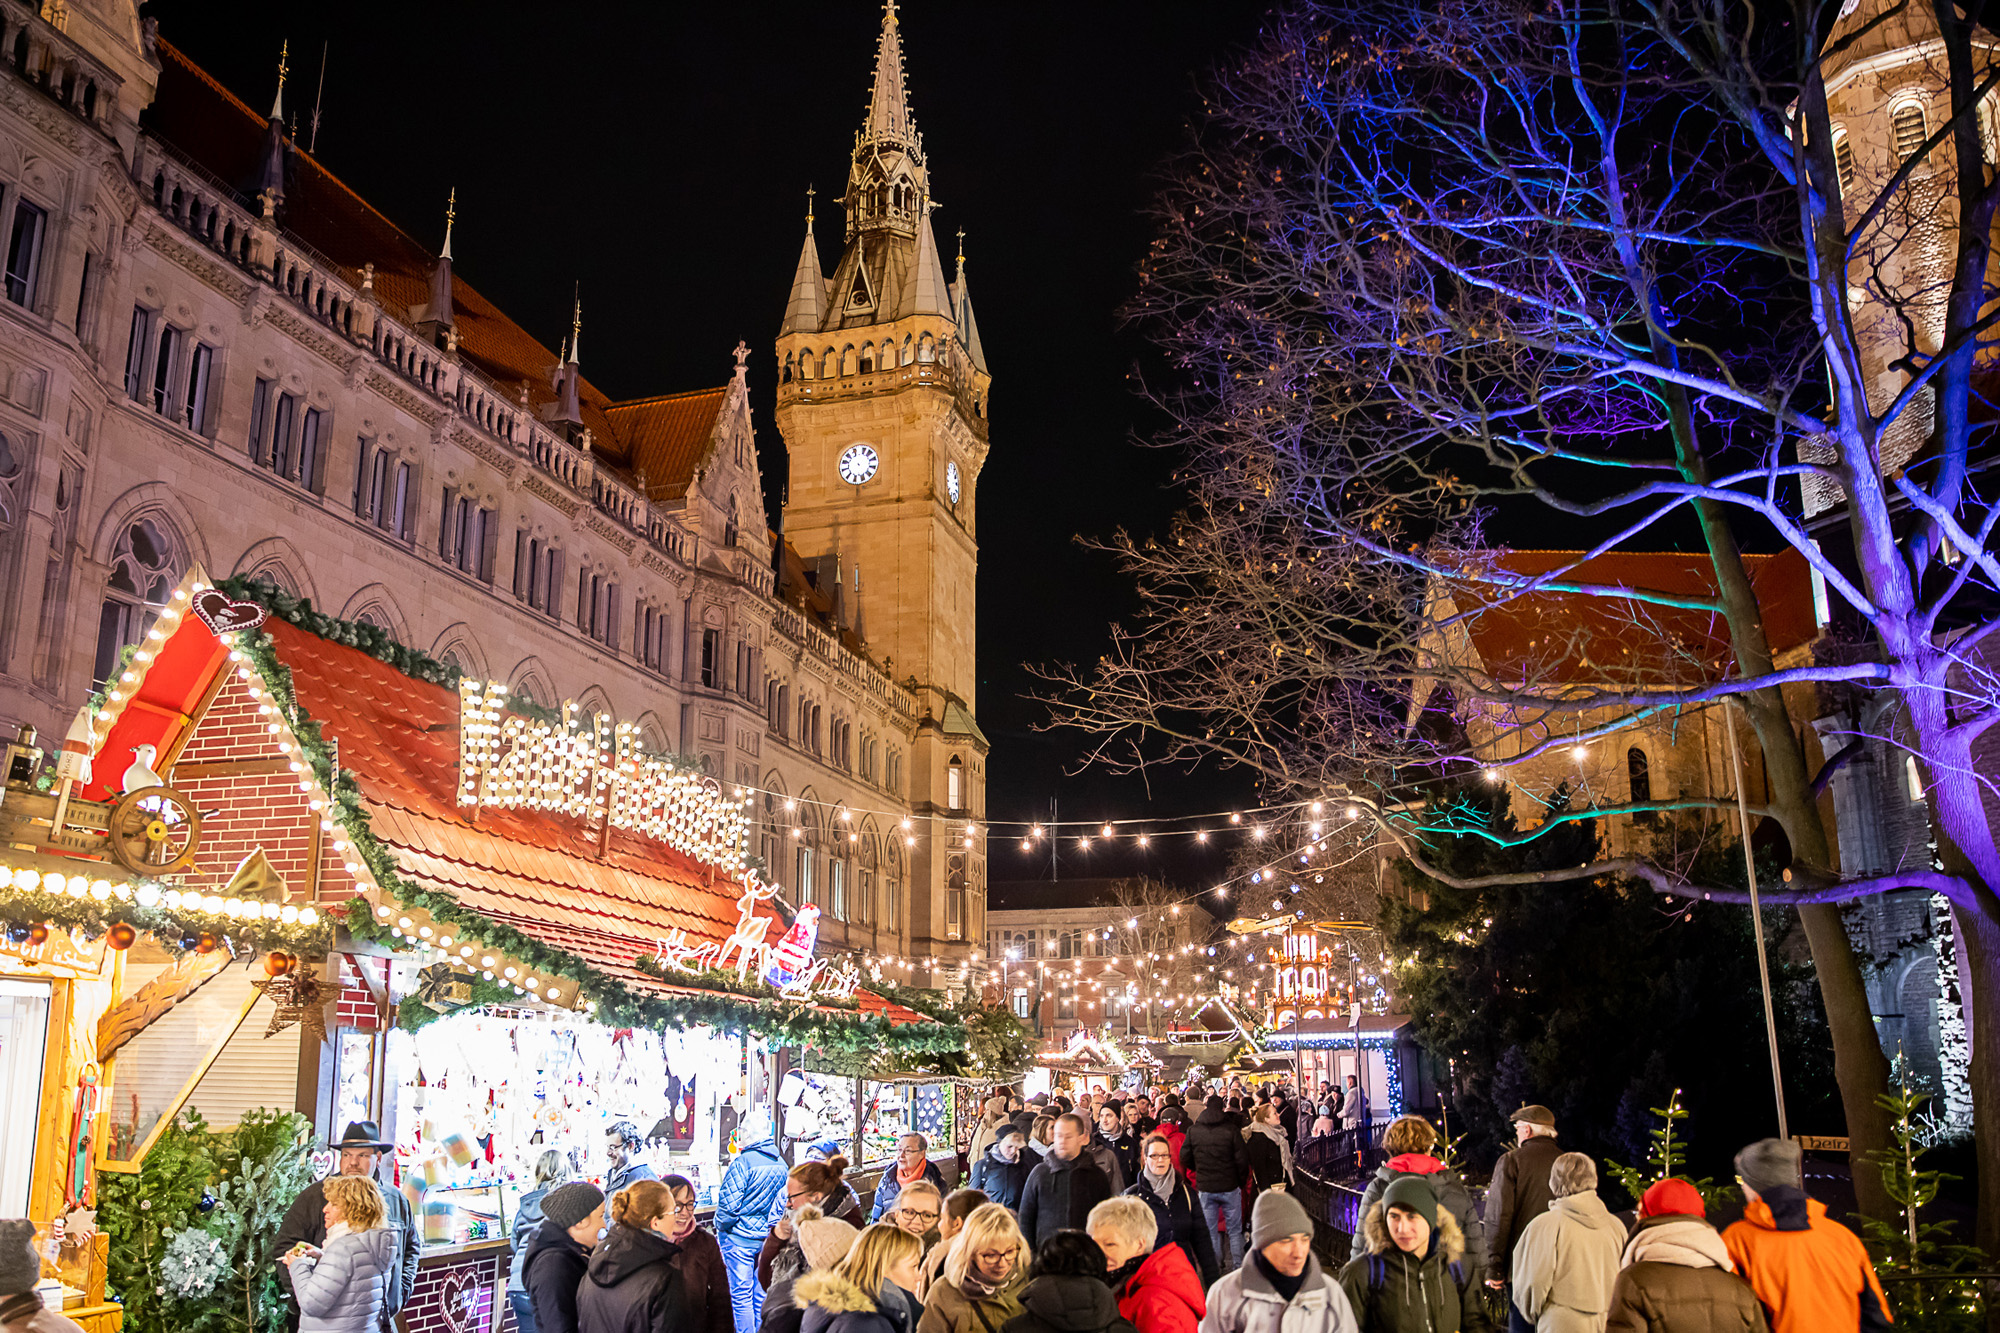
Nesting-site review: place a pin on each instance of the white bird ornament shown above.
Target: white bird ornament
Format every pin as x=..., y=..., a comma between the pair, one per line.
x=140, y=773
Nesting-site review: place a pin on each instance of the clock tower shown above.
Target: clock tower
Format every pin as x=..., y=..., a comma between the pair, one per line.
x=882, y=404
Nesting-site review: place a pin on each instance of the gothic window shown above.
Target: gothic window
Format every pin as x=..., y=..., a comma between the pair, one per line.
x=829, y=364
x=144, y=566
x=1843, y=162
x=730, y=524
x=10, y=476
x=787, y=376
x=954, y=784
x=847, y=359
x=1907, y=124
x=1641, y=777
x=926, y=349
x=867, y=358
x=909, y=350
x=24, y=252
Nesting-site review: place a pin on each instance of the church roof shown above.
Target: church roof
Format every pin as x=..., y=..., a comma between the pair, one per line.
x=214, y=129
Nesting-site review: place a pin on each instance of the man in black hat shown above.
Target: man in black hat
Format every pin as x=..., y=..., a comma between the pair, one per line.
x=361, y=1148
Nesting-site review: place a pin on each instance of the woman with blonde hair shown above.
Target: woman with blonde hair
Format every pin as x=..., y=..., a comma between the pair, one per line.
x=980, y=1288
x=863, y=1293
x=633, y=1284
x=342, y=1285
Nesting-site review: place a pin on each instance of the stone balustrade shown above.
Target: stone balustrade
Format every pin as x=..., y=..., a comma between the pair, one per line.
x=44, y=55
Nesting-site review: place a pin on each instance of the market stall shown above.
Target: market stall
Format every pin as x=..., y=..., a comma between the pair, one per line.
x=544, y=931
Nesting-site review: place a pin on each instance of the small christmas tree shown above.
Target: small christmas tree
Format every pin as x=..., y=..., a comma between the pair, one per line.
x=1666, y=1158
x=1908, y=1246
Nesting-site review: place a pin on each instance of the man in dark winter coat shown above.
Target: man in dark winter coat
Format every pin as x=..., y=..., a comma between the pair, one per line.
x=1003, y=1171
x=1520, y=1190
x=1409, y=1140
x=1216, y=1155
x=361, y=1147
x=1062, y=1190
x=558, y=1253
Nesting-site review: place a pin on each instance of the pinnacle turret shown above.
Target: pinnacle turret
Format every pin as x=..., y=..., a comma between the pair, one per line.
x=887, y=184
x=805, y=310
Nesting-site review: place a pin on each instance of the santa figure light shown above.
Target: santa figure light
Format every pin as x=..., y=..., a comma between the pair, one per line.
x=792, y=955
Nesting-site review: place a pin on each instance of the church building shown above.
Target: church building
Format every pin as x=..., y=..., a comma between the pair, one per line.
x=213, y=352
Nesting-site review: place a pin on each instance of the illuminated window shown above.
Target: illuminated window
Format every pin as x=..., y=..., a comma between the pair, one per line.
x=1915, y=778
x=1907, y=123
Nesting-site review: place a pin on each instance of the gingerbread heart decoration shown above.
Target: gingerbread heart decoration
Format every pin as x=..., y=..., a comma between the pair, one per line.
x=222, y=614
x=459, y=1299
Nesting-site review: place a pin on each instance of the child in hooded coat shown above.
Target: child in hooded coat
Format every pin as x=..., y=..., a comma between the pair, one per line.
x=1426, y=1290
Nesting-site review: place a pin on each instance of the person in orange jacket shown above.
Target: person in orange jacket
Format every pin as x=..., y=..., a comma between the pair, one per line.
x=1811, y=1273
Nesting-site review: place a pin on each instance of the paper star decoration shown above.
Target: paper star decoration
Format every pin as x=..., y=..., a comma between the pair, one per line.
x=301, y=999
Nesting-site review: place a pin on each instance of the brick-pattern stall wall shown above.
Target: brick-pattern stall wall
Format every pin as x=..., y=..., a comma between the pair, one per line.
x=357, y=1002
x=244, y=812
x=458, y=1294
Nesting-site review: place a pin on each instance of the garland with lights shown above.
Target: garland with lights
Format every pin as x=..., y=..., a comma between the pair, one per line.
x=178, y=927
x=783, y=1022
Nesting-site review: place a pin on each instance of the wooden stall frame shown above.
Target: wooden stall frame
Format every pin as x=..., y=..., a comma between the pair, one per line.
x=132, y=1166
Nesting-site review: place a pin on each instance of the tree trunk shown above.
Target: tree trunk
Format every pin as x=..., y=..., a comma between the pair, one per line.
x=1858, y=1064
x=1979, y=945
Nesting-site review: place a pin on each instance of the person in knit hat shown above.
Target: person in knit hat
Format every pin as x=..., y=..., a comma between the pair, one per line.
x=1414, y=1277
x=1280, y=1285
x=1810, y=1272
x=21, y=1308
x=1677, y=1276
x=558, y=1254
x=823, y=1242
x=1567, y=1260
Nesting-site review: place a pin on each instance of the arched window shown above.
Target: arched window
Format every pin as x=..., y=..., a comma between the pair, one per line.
x=926, y=349
x=867, y=358
x=909, y=350
x=954, y=784
x=786, y=375
x=1906, y=123
x=729, y=525
x=847, y=359
x=1843, y=161
x=829, y=364
x=145, y=565
x=10, y=476
x=805, y=365
x=1641, y=775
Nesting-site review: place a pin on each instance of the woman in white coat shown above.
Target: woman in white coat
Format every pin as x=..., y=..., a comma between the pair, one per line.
x=1567, y=1261
x=341, y=1286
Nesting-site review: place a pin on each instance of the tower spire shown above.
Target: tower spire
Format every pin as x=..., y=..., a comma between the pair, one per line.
x=889, y=119
x=576, y=324
x=451, y=213
x=805, y=310
x=437, y=326
x=278, y=102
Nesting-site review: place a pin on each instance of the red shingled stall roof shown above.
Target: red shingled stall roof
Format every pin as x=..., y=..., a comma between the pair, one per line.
x=540, y=873
x=1566, y=637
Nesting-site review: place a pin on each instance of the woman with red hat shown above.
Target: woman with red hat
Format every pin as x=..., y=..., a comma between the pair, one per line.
x=1676, y=1276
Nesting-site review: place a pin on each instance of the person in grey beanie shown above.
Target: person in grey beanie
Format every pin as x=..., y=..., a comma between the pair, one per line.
x=558, y=1254
x=1810, y=1272
x=1280, y=1288
x=21, y=1308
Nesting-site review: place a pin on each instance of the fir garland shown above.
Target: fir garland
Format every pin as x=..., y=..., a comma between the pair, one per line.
x=176, y=928
x=781, y=1021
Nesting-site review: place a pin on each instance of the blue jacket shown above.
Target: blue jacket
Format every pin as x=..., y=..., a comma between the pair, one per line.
x=889, y=1187
x=1001, y=1179
x=753, y=1194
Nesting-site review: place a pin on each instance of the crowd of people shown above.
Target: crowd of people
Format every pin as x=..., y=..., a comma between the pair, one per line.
x=1114, y=1213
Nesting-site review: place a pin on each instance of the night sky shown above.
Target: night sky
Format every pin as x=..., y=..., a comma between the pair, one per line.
x=659, y=155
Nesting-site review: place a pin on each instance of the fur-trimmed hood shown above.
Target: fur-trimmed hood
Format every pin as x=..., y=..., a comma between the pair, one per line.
x=832, y=1293
x=1450, y=1237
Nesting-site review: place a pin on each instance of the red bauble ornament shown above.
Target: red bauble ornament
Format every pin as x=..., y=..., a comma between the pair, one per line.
x=278, y=964
x=206, y=943
x=38, y=935
x=121, y=936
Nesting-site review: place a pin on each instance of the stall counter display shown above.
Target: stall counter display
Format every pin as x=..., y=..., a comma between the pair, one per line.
x=818, y=1113
x=480, y=1095
x=896, y=1109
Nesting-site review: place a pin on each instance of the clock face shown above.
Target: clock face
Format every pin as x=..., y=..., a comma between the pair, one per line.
x=951, y=481
x=858, y=464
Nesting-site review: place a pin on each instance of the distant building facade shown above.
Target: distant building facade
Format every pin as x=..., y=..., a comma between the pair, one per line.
x=213, y=352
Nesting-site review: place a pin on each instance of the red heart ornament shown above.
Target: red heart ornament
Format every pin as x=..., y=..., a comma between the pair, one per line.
x=221, y=614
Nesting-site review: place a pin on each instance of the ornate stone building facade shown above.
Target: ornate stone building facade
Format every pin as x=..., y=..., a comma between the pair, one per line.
x=213, y=351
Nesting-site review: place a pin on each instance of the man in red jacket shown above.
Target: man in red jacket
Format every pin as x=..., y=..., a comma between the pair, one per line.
x=1157, y=1289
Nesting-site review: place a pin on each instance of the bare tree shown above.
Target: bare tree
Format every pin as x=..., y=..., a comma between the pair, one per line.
x=1160, y=940
x=1424, y=274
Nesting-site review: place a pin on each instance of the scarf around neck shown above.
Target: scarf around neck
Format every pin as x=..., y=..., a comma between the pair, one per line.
x=911, y=1176
x=1162, y=1184
x=1007, y=1151
x=1277, y=1136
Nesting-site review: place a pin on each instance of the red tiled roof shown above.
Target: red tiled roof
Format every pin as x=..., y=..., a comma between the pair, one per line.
x=667, y=437
x=1564, y=638
x=208, y=123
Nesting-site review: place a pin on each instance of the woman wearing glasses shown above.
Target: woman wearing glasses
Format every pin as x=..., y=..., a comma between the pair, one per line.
x=817, y=1185
x=700, y=1264
x=980, y=1289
